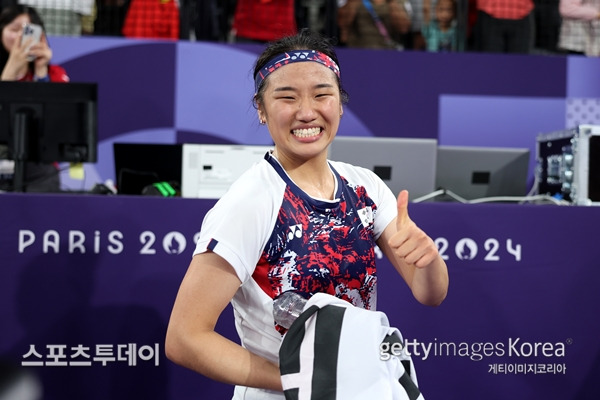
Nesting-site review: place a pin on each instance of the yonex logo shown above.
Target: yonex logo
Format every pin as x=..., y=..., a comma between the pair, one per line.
x=295, y=231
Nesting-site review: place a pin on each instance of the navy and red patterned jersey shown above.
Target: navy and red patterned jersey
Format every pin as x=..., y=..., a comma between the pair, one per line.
x=318, y=246
x=277, y=238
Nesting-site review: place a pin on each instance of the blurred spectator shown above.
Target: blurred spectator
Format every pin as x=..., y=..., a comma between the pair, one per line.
x=208, y=19
x=373, y=24
x=580, y=30
x=439, y=26
x=87, y=22
x=152, y=19
x=263, y=20
x=547, y=26
x=318, y=16
x=15, y=63
x=414, y=38
x=110, y=16
x=504, y=26
x=61, y=17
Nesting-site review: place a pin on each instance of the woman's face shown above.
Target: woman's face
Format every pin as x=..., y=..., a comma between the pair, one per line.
x=302, y=108
x=11, y=32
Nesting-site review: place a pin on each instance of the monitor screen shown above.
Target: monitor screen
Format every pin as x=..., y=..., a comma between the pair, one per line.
x=49, y=122
x=138, y=165
x=480, y=172
x=402, y=163
x=209, y=169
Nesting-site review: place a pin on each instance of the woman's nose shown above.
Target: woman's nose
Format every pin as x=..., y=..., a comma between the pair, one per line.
x=306, y=110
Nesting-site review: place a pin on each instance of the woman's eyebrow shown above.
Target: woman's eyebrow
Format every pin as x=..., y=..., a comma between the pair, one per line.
x=324, y=86
x=290, y=88
x=284, y=89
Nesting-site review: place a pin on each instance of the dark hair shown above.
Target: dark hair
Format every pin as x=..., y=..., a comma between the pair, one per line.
x=8, y=15
x=303, y=40
x=453, y=5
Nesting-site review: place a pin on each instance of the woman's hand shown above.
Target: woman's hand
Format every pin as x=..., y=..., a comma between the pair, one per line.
x=43, y=54
x=415, y=256
x=16, y=65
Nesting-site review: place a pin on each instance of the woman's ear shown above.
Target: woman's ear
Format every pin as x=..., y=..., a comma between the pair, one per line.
x=261, y=119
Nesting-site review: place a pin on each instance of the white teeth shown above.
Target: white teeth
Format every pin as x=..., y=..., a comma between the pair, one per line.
x=306, y=132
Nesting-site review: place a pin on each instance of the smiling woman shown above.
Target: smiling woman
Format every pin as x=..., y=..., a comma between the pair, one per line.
x=295, y=221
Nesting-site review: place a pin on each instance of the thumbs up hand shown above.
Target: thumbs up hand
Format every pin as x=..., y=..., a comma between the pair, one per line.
x=410, y=243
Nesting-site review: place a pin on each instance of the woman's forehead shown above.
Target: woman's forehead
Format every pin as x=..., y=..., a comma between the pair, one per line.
x=304, y=73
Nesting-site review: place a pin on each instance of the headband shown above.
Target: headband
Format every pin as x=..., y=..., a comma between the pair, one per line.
x=290, y=57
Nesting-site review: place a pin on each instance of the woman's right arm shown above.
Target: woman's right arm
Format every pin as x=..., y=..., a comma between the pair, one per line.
x=191, y=341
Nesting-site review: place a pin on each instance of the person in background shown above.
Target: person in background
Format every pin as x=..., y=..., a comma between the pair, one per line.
x=109, y=17
x=580, y=28
x=504, y=26
x=14, y=62
x=295, y=221
x=374, y=24
x=547, y=22
x=414, y=39
x=62, y=17
x=152, y=19
x=439, y=30
x=261, y=21
x=13, y=54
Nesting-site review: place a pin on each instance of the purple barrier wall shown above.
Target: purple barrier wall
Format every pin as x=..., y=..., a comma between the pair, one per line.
x=99, y=275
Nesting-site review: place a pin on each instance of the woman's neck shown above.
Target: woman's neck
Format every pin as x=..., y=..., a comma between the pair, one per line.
x=313, y=176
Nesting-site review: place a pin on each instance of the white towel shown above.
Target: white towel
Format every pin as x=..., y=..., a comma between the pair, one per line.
x=333, y=351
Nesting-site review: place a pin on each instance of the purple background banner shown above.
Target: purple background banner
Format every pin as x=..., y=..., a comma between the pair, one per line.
x=92, y=270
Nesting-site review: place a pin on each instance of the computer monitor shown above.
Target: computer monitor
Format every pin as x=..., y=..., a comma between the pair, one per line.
x=209, y=169
x=402, y=163
x=47, y=122
x=480, y=172
x=138, y=165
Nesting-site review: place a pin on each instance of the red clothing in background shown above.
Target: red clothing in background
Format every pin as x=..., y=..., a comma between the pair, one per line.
x=56, y=73
x=152, y=19
x=264, y=20
x=506, y=9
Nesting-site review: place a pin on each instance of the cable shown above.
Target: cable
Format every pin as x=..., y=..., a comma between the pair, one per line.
x=520, y=199
x=428, y=196
x=440, y=192
x=497, y=199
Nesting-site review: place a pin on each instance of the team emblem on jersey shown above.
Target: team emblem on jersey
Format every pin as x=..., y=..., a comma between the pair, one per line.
x=366, y=216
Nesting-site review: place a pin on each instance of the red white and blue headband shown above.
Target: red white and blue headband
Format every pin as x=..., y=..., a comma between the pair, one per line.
x=290, y=57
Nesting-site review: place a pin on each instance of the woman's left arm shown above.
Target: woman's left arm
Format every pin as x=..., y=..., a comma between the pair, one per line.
x=415, y=256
